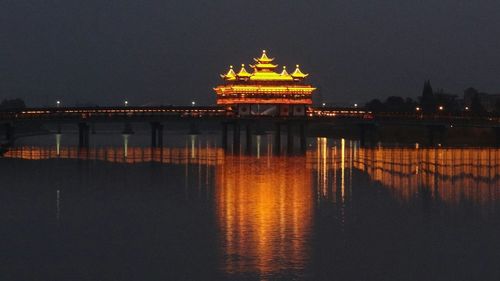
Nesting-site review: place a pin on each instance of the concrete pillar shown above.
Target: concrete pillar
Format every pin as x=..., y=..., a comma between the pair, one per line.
x=289, y=137
x=224, y=136
x=160, y=135
x=277, y=139
x=154, y=131
x=303, y=137
x=362, y=135
x=236, y=137
x=248, y=132
x=9, y=133
x=83, y=135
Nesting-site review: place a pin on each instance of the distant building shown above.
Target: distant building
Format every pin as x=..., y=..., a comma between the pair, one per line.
x=489, y=102
x=264, y=91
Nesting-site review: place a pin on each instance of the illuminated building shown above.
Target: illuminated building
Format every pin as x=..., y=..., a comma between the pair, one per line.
x=265, y=91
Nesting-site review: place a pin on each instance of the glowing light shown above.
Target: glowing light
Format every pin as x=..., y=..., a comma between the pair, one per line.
x=417, y=108
x=466, y=108
x=193, y=103
x=125, y=102
x=58, y=103
x=441, y=107
x=355, y=105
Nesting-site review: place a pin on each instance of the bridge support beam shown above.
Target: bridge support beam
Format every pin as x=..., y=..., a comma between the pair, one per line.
x=248, y=143
x=9, y=133
x=236, y=137
x=83, y=135
x=290, y=137
x=303, y=137
x=156, y=134
x=224, y=135
x=277, y=139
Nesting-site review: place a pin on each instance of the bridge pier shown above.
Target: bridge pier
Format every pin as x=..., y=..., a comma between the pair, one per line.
x=156, y=134
x=224, y=135
x=303, y=137
x=83, y=135
x=277, y=139
x=9, y=133
x=127, y=129
x=289, y=137
x=248, y=139
x=236, y=137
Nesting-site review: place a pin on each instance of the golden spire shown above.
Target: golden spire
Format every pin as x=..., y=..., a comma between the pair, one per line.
x=230, y=75
x=243, y=73
x=264, y=59
x=284, y=72
x=297, y=74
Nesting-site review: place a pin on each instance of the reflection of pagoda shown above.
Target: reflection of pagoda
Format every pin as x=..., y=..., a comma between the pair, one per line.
x=265, y=91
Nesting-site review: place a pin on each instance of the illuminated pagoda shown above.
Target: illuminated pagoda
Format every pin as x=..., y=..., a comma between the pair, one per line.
x=265, y=91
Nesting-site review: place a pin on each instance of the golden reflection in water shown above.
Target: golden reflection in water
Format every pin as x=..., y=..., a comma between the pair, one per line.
x=451, y=174
x=264, y=210
x=130, y=155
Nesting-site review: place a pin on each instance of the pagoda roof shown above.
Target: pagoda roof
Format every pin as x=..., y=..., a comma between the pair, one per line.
x=264, y=59
x=298, y=74
x=230, y=75
x=243, y=73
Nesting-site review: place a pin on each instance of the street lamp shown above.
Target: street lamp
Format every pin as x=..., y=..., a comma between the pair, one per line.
x=355, y=105
x=193, y=103
x=441, y=108
x=323, y=104
x=58, y=103
x=125, y=102
x=417, y=108
x=466, y=108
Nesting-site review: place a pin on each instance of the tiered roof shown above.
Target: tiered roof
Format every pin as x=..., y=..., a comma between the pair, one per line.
x=264, y=70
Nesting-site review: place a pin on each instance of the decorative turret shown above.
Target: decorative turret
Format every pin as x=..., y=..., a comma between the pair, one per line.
x=297, y=74
x=230, y=75
x=263, y=63
x=264, y=58
x=243, y=73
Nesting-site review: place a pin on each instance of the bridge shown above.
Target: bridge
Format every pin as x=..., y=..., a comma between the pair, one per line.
x=228, y=120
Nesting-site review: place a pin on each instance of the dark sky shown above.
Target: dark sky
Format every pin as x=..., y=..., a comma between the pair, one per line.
x=171, y=52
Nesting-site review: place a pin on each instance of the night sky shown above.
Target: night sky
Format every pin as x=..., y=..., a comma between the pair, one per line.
x=171, y=52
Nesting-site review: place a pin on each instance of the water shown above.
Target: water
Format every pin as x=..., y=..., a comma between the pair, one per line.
x=191, y=211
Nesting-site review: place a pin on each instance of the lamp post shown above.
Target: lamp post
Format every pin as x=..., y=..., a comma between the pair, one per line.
x=125, y=102
x=193, y=103
x=58, y=103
